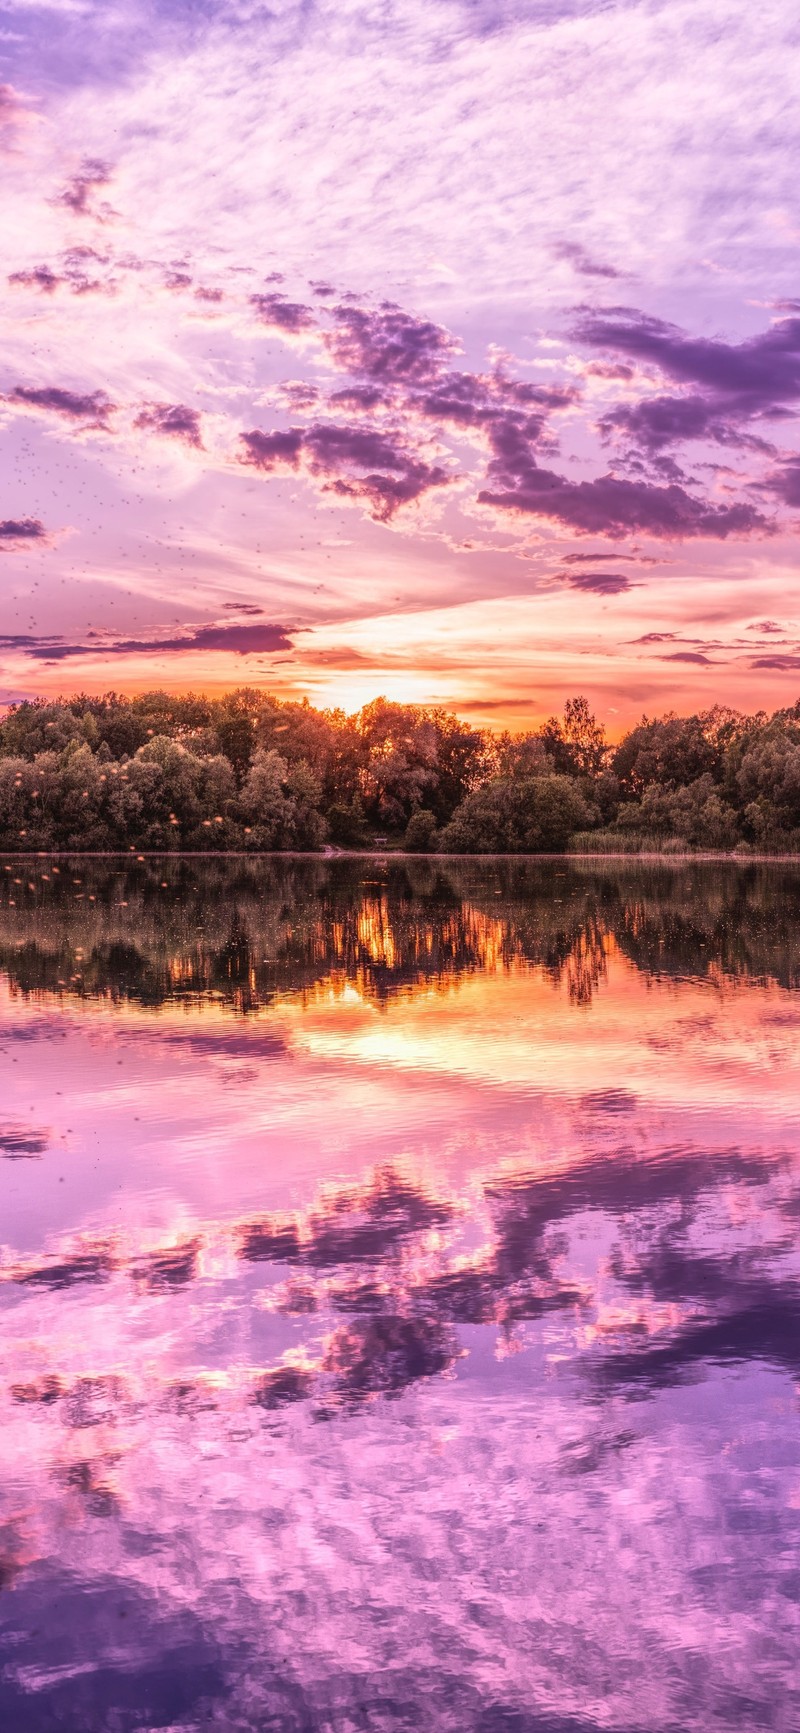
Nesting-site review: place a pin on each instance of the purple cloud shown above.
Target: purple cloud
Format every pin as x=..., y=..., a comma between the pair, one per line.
x=385, y=494
x=360, y=398
x=598, y=583
x=332, y=446
x=39, y=277
x=609, y=370
x=174, y=420
x=778, y=664
x=609, y=505
x=22, y=529
x=581, y=261
x=388, y=345
x=392, y=478
x=689, y=656
x=279, y=314
x=242, y=640
x=660, y=421
x=73, y=276
x=299, y=394
x=597, y=559
x=79, y=189
x=271, y=451
x=486, y=400
x=785, y=482
x=398, y=362
x=54, y=400
x=758, y=375
x=461, y=398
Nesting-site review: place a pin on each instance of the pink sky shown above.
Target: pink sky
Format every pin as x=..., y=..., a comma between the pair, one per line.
x=445, y=351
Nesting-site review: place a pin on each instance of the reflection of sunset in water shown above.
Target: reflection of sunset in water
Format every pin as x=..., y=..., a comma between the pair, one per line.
x=522, y=1033
x=402, y=1307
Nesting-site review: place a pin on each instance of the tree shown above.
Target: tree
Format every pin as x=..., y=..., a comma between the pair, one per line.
x=420, y=831
x=416, y=757
x=695, y=814
x=279, y=804
x=576, y=745
x=521, y=755
x=671, y=750
x=401, y=758
x=768, y=779
x=235, y=723
x=535, y=816
x=36, y=726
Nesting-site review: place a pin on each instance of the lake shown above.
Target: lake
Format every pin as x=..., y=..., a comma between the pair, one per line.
x=401, y=1296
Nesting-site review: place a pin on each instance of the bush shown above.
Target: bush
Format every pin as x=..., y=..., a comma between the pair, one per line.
x=535, y=816
x=695, y=814
x=347, y=824
x=420, y=831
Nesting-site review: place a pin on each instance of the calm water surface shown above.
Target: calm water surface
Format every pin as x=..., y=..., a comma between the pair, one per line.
x=401, y=1305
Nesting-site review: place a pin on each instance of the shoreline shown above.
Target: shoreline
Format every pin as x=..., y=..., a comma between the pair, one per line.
x=664, y=857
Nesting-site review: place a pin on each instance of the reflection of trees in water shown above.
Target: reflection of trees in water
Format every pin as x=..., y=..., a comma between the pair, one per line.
x=243, y=931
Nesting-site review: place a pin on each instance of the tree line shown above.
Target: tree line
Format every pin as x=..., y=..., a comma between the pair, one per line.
x=159, y=771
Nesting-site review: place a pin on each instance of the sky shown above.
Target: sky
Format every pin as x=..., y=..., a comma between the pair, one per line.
x=449, y=351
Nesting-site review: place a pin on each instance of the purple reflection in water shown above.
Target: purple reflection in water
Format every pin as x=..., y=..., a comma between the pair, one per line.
x=402, y=1315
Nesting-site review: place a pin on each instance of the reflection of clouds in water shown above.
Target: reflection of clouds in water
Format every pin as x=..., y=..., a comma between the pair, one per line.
x=359, y=1224
x=107, y=1655
x=364, y=1454
x=18, y=1141
x=713, y=1281
x=85, y=1264
x=430, y=1563
x=441, y=1561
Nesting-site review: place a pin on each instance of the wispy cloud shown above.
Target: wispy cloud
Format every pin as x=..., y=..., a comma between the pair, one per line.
x=78, y=194
x=239, y=640
x=600, y=583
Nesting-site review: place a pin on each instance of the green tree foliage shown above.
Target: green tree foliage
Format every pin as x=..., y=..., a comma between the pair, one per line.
x=768, y=778
x=415, y=757
x=536, y=815
x=161, y=771
x=674, y=751
x=420, y=831
x=282, y=803
x=576, y=742
x=694, y=813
